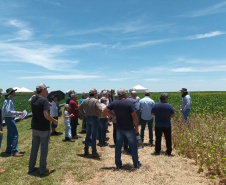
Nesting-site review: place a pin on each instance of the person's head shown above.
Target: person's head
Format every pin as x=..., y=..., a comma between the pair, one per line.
x=164, y=97
x=54, y=98
x=84, y=96
x=133, y=94
x=103, y=100
x=73, y=96
x=69, y=92
x=147, y=93
x=105, y=93
x=67, y=107
x=10, y=92
x=93, y=92
x=121, y=93
x=184, y=92
x=0, y=93
x=112, y=91
x=41, y=89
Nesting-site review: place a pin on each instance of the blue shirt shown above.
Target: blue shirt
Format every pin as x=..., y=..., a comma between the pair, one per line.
x=135, y=102
x=146, y=105
x=163, y=112
x=186, y=102
x=68, y=99
x=123, y=108
x=80, y=102
x=8, y=109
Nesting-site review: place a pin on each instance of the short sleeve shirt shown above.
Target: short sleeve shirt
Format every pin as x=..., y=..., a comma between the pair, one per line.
x=162, y=111
x=38, y=105
x=123, y=109
x=74, y=109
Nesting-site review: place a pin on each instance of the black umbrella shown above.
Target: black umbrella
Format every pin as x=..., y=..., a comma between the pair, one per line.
x=59, y=94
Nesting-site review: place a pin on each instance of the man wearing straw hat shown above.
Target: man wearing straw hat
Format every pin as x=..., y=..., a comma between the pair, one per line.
x=9, y=113
x=1, y=132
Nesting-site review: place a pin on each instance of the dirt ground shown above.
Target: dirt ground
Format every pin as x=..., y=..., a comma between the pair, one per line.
x=155, y=170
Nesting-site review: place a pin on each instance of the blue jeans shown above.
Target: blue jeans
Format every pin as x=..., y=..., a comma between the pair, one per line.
x=102, y=130
x=91, y=129
x=186, y=113
x=150, y=125
x=74, y=124
x=67, y=129
x=131, y=136
x=12, y=136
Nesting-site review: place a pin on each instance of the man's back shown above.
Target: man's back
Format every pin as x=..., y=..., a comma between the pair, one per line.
x=90, y=107
x=146, y=105
x=123, y=109
x=163, y=112
x=38, y=105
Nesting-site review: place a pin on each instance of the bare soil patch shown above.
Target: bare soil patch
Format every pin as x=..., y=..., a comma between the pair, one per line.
x=155, y=170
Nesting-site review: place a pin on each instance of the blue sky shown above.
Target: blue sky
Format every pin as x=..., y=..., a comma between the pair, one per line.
x=74, y=44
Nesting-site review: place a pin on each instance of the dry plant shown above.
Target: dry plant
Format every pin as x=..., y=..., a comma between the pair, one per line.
x=203, y=139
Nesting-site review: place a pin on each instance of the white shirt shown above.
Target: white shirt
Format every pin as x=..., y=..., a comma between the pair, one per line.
x=54, y=109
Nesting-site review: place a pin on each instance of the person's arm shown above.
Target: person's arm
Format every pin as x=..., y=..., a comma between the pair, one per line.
x=1, y=132
x=50, y=118
x=7, y=109
x=107, y=111
x=135, y=120
x=172, y=115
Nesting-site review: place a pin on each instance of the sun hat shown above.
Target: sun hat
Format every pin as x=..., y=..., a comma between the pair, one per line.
x=184, y=90
x=9, y=91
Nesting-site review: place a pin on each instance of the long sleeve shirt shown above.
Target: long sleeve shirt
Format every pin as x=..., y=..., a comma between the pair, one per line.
x=8, y=109
x=186, y=103
x=54, y=109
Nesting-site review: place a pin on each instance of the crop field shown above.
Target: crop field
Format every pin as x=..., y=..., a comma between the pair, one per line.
x=203, y=140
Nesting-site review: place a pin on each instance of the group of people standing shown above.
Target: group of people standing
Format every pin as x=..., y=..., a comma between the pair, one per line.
x=124, y=112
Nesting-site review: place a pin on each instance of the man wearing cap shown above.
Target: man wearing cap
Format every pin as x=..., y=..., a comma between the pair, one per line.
x=145, y=107
x=92, y=109
x=74, y=119
x=163, y=111
x=1, y=132
x=40, y=129
x=186, y=104
x=8, y=111
x=126, y=126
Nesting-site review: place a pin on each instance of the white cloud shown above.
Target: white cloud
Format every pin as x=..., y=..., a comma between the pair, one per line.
x=214, y=9
x=61, y=77
x=23, y=33
x=205, y=35
x=146, y=43
x=215, y=68
x=117, y=79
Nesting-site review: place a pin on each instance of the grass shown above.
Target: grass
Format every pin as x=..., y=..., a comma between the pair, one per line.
x=63, y=157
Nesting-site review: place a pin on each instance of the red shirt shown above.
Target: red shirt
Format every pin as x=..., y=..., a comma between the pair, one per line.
x=74, y=109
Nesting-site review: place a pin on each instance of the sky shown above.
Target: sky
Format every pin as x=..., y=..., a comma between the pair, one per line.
x=83, y=44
